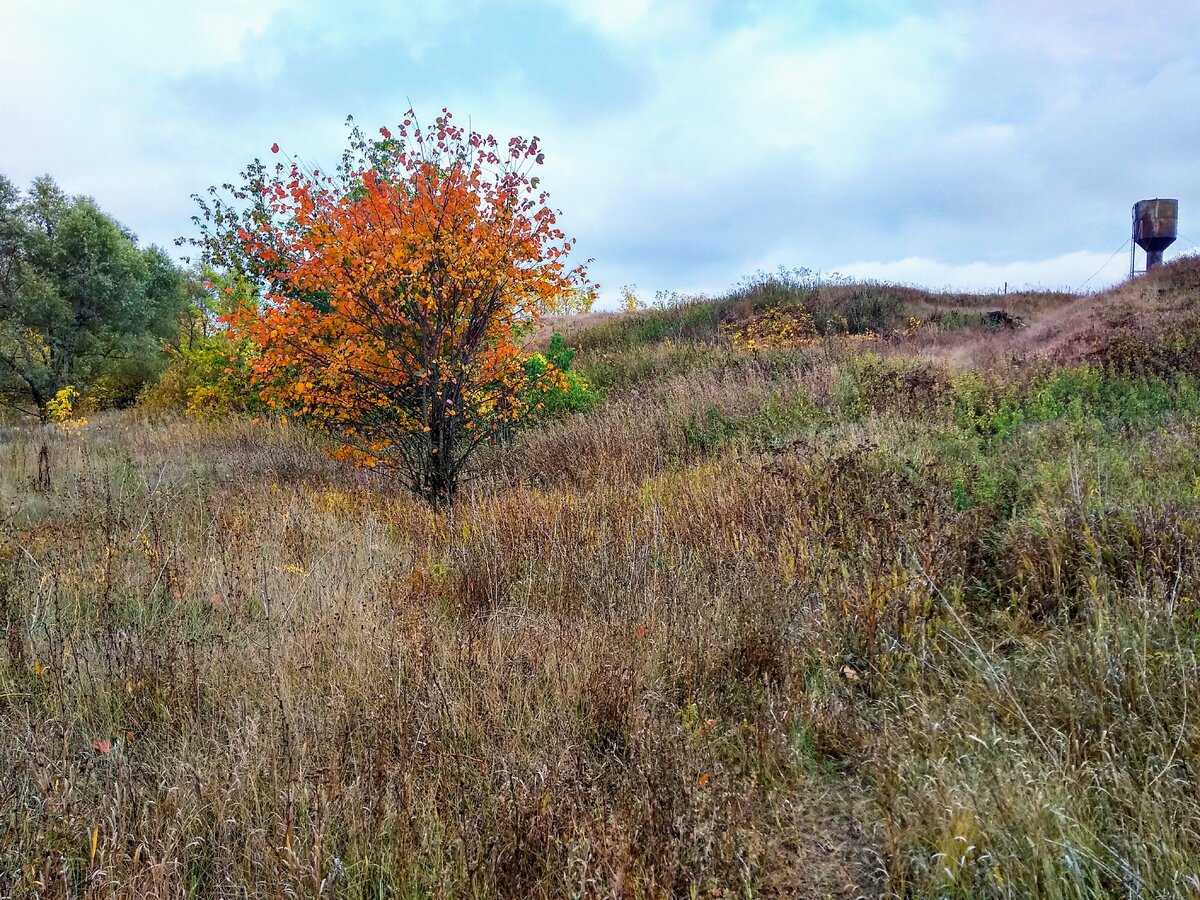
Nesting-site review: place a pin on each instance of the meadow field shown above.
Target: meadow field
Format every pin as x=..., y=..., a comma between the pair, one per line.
x=837, y=591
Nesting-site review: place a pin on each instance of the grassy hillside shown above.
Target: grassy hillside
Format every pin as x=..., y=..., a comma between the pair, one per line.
x=841, y=591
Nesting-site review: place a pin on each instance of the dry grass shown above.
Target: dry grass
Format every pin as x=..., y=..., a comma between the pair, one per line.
x=306, y=684
x=569, y=326
x=811, y=623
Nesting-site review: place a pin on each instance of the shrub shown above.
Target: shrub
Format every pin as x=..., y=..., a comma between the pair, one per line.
x=869, y=312
x=566, y=392
x=211, y=377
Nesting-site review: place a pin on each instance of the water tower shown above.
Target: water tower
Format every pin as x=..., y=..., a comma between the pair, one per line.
x=1155, y=224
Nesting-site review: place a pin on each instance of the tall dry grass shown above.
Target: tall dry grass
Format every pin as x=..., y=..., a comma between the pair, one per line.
x=241, y=676
x=809, y=623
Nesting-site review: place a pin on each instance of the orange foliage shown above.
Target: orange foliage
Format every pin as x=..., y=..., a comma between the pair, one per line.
x=398, y=289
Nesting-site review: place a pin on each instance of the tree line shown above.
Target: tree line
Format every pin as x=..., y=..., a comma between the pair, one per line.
x=81, y=304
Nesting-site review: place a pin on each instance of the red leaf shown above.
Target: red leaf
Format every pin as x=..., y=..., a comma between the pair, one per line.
x=102, y=746
x=274, y=148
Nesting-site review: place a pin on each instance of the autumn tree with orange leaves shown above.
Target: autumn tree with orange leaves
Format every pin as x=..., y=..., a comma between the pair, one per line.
x=396, y=290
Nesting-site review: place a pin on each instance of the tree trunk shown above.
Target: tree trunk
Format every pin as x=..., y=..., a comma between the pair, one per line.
x=439, y=480
x=42, y=482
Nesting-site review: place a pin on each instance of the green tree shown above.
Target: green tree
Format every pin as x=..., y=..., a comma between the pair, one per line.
x=80, y=303
x=210, y=367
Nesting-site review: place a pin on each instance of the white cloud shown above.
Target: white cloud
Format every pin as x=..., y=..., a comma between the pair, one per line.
x=617, y=18
x=988, y=132
x=723, y=107
x=1070, y=272
x=745, y=136
x=128, y=40
x=82, y=93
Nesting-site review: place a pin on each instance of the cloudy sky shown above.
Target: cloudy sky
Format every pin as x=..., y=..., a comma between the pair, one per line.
x=689, y=142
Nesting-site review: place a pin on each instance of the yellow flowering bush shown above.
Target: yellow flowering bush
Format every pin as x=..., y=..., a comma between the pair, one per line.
x=62, y=410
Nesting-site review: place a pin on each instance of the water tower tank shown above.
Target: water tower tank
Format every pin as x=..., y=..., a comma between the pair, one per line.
x=1155, y=224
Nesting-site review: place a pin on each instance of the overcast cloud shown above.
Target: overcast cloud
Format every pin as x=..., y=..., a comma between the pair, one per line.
x=689, y=142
